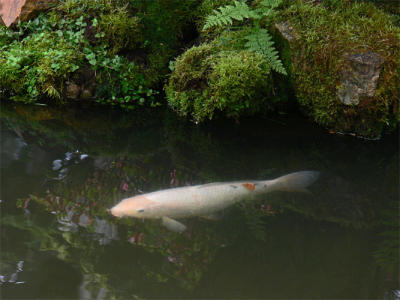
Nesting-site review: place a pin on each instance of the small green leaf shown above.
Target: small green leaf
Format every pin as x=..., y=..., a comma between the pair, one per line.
x=55, y=66
x=99, y=35
x=74, y=68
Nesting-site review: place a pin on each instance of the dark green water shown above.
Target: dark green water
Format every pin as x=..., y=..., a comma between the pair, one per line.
x=61, y=170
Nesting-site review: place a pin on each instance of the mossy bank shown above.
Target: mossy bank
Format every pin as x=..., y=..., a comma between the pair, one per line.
x=342, y=59
x=115, y=52
x=344, y=63
x=229, y=58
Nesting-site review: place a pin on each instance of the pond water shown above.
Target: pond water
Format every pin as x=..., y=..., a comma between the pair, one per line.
x=61, y=170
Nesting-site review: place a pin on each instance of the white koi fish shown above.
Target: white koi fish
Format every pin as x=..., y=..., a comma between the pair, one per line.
x=205, y=200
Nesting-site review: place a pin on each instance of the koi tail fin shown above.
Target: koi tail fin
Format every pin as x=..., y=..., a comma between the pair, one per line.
x=293, y=182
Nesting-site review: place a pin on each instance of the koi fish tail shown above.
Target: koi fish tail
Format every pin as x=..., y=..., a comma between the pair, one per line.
x=293, y=182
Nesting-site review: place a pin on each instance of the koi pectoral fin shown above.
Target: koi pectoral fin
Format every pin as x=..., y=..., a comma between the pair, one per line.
x=173, y=225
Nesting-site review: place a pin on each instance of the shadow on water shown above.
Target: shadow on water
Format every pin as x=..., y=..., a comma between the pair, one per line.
x=61, y=170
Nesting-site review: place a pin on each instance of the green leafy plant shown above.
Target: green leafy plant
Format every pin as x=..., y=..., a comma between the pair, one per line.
x=57, y=47
x=36, y=66
x=116, y=52
x=232, y=73
x=259, y=40
x=227, y=14
x=123, y=85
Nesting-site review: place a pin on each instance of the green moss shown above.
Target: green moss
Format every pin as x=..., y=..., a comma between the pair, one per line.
x=167, y=25
x=118, y=51
x=37, y=66
x=207, y=80
x=389, y=6
x=240, y=82
x=326, y=37
x=189, y=78
x=121, y=31
x=77, y=8
x=76, y=42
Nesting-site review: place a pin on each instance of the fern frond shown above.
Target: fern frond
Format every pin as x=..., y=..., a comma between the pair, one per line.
x=267, y=8
x=271, y=3
x=226, y=14
x=52, y=92
x=260, y=41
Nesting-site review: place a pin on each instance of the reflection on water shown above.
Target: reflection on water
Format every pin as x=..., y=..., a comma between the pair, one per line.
x=13, y=277
x=62, y=170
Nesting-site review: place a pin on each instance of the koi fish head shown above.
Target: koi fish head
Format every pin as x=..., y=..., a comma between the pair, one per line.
x=138, y=207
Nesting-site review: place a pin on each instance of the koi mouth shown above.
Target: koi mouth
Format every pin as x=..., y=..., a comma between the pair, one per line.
x=116, y=213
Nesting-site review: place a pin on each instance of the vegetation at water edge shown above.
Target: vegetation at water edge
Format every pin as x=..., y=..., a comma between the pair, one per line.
x=214, y=58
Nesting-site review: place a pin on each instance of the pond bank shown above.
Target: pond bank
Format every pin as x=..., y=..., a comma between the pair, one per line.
x=339, y=59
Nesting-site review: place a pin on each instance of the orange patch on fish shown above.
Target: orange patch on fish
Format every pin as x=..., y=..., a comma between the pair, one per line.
x=251, y=187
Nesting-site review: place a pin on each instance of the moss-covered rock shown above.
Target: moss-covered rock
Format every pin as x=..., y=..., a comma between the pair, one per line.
x=231, y=72
x=344, y=63
x=207, y=80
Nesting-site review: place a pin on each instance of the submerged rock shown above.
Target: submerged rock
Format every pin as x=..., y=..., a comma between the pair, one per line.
x=12, y=11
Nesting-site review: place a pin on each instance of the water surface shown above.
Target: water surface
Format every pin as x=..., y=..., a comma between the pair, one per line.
x=61, y=170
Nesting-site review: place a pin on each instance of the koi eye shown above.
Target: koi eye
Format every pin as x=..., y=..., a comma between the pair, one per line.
x=140, y=210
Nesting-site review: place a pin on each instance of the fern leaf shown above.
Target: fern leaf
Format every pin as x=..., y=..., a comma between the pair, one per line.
x=260, y=41
x=271, y=3
x=226, y=14
x=267, y=8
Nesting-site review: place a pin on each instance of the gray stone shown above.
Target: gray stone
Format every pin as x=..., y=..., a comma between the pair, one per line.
x=287, y=31
x=359, y=78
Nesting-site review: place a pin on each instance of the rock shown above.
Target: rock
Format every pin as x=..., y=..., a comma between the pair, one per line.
x=12, y=11
x=86, y=94
x=344, y=81
x=73, y=90
x=287, y=31
x=359, y=78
